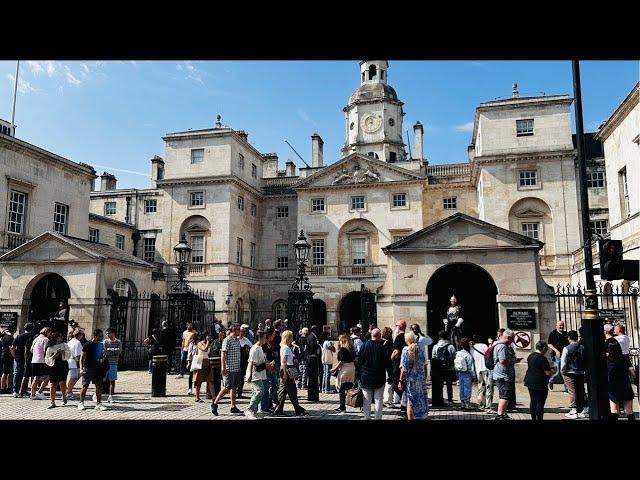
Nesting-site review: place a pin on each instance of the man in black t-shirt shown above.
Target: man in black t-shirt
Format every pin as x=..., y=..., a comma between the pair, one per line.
x=6, y=360
x=18, y=349
x=558, y=339
x=398, y=345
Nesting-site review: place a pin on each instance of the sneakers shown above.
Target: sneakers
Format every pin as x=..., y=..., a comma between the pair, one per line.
x=38, y=396
x=16, y=394
x=582, y=415
x=340, y=410
x=250, y=414
x=491, y=411
x=573, y=411
x=214, y=409
x=70, y=396
x=502, y=417
x=110, y=399
x=64, y=401
x=52, y=405
x=235, y=410
x=189, y=392
x=81, y=406
x=572, y=416
x=302, y=413
x=94, y=398
x=100, y=407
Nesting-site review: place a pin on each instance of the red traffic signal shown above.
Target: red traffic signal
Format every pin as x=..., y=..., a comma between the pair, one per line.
x=611, y=263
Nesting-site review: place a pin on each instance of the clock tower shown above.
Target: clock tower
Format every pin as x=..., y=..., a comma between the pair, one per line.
x=373, y=116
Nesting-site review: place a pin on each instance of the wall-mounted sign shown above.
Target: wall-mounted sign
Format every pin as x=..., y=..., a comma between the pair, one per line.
x=611, y=314
x=8, y=319
x=521, y=318
x=522, y=340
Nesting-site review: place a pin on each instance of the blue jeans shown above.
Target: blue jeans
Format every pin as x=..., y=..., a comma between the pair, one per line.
x=465, y=381
x=271, y=388
x=18, y=374
x=326, y=378
x=557, y=377
x=258, y=389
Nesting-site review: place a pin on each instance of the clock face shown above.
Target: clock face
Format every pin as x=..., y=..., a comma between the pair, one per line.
x=371, y=123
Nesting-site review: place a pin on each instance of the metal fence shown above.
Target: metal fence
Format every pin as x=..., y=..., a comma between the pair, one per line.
x=136, y=318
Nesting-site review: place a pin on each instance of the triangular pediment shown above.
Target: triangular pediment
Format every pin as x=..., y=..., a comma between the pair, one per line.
x=460, y=232
x=46, y=248
x=356, y=169
x=529, y=212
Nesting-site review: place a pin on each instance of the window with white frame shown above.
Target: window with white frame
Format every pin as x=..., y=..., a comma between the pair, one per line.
x=109, y=208
x=241, y=203
x=150, y=206
x=317, y=204
x=282, y=256
x=94, y=235
x=450, y=203
x=317, y=256
x=358, y=251
x=60, y=218
x=528, y=178
x=196, y=199
x=254, y=210
x=241, y=161
x=149, y=249
x=357, y=202
x=399, y=200
x=197, y=248
x=282, y=212
x=595, y=179
x=17, y=212
x=601, y=227
x=197, y=155
x=252, y=256
x=524, y=128
x=239, y=255
x=120, y=241
x=254, y=170
x=531, y=230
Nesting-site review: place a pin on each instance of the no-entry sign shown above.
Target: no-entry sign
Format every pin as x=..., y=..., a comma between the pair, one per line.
x=522, y=340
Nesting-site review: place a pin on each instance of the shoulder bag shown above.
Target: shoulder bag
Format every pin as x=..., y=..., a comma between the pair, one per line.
x=354, y=397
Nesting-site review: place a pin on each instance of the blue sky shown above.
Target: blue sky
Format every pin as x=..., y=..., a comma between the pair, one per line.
x=112, y=115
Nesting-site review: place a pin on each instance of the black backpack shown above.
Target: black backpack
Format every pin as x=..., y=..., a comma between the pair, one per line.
x=443, y=355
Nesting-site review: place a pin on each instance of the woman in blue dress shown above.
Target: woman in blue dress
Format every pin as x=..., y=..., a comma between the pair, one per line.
x=412, y=378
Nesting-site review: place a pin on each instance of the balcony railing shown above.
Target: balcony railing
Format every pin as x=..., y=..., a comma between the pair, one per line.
x=11, y=241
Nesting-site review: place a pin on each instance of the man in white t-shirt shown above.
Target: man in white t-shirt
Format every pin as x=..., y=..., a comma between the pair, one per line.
x=485, y=382
x=75, y=346
x=257, y=374
x=622, y=338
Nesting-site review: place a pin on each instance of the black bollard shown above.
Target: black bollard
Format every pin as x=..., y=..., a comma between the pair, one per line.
x=313, y=388
x=159, y=376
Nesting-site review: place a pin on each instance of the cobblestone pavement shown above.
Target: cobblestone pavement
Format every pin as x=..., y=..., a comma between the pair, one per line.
x=133, y=401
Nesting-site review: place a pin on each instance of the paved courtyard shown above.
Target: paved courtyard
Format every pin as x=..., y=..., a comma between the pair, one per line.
x=134, y=402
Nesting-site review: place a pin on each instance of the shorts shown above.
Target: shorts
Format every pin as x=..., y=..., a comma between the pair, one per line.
x=232, y=380
x=28, y=369
x=112, y=374
x=92, y=375
x=39, y=370
x=74, y=373
x=7, y=365
x=505, y=389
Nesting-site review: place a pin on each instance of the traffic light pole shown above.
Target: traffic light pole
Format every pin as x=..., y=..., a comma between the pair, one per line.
x=592, y=328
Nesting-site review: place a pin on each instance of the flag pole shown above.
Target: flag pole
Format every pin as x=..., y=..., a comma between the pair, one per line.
x=15, y=91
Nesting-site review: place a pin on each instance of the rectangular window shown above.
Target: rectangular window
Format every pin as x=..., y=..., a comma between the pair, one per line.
x=317, y=204
x=17, y=209
x=120, y=241
x=197, y=249
x=282, y=212
x=528, y=178
x=317, y=257
x=150, y=206
x=197, y=199
x=241, y=203
x=531, y=230
x=601, y=227
x=60, y=218
x=241, y=161
x=239, y=251
x=524, y=128
x=149, y=250
x=357, y=203
x=624, y=193
x=109, y=208
x=595, y=180
x=399, y=200
x=282, y=256
x=254, y=210
x=254, y=170
x=359, y=251
x=94, y=235
x=197, y=155
x=252, y=257
x=450, y=203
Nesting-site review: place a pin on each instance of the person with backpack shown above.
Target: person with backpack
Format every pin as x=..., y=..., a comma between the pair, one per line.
x=572, y=366
x=502, y=358
x=536, y=380
x=483, y=375
x=464, y=366
x=442, y=370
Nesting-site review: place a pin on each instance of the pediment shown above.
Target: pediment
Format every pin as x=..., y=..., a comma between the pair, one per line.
x=460, y=232
x=46, y=248
x=529, y=212
x=357, y=169
x=357, y=231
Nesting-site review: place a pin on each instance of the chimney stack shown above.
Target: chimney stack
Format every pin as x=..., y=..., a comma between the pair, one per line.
x=107, y=181
x=270, y=165
x=157, y=170
x=418, y=132
x=290, y=169
x=316, y=150
x=515, y=93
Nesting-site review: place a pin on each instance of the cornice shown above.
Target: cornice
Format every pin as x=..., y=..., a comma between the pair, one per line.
x=629, y=103
x=209, y=180
x=519, y=157
x=361, y=185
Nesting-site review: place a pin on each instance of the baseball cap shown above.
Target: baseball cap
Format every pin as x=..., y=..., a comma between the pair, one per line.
x=244, y=325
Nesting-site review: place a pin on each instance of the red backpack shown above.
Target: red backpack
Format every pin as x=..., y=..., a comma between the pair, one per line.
x=489, y=361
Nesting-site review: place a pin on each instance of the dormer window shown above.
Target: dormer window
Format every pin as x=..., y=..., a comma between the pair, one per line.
x=524, y=128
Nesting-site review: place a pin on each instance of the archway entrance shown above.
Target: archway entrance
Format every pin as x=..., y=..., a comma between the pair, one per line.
x=46, y=295
x=349, y=311
x=319, y=313
x=476, y=293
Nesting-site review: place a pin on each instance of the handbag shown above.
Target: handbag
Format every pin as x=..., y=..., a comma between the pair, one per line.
x=327, y=356
x=196, y=363
x=293, y=373
x=354, y=397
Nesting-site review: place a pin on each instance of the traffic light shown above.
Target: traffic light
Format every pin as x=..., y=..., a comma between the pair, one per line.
x=611, y=263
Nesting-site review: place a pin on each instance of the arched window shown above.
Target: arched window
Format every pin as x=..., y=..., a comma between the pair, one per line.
x=279, y=310
x=125, y=288
x=372, y=72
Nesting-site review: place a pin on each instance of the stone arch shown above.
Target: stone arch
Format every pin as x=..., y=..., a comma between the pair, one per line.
x=350, y=238
x=42, y=296
x=125, y=288
x=531, y=210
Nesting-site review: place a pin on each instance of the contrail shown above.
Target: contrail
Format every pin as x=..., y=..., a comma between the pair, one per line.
x=121, y=170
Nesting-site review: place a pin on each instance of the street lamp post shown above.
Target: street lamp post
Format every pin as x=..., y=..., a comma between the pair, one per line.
x=183, y=255
x=592, y=329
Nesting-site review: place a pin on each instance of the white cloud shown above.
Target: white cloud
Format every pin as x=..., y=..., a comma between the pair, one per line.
x=465, y=127
x=50, y=67
x=24, y=87
x=47, y=67
x=71, y=78
x=191, y=72
x=306, y=118
x=479, y=65
x=35, y=67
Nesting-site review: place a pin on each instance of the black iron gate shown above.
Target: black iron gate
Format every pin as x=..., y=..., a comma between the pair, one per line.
x=368, y=310
x=135, y=318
